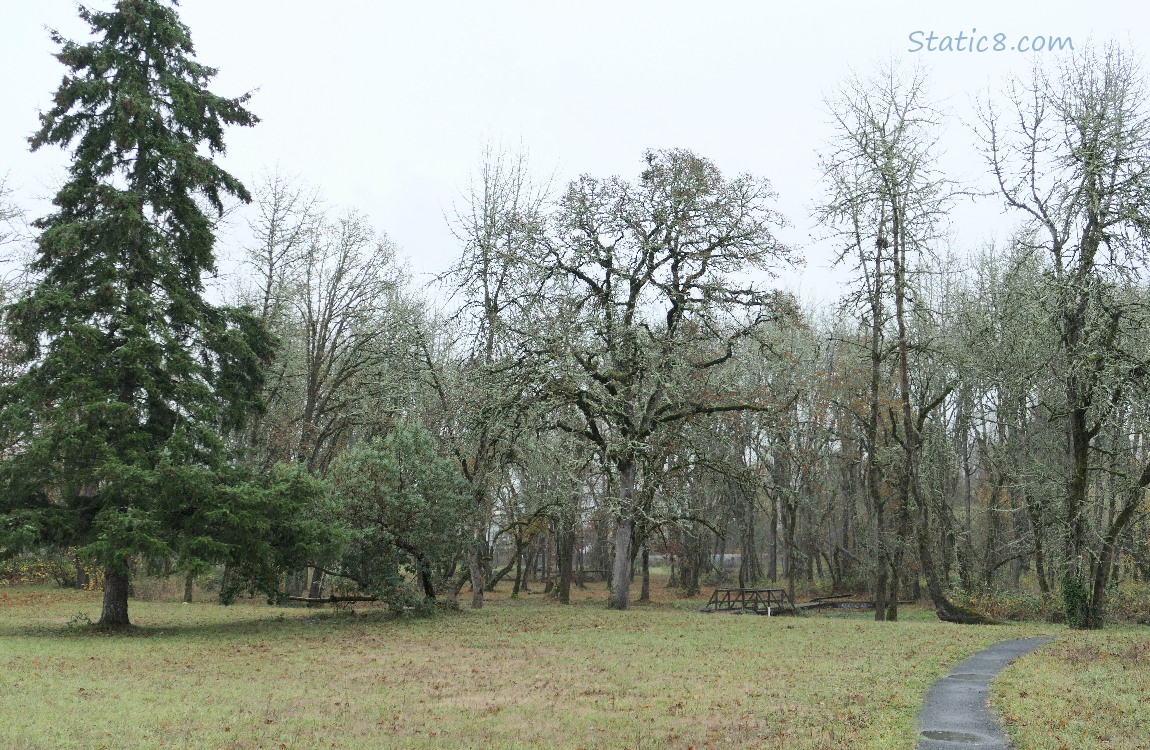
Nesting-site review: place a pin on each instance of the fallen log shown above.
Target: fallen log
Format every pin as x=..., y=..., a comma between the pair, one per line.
x=948, y=611
x=333, y=599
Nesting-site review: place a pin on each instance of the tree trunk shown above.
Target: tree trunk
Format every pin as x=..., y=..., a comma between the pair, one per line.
x=518, y=573
x=1039, y=553
x=645, y=591
x=1105, y=564
x=189, y=588
x=720, y=553
x=910, y=444
x=990, y=560
x=691, y=564
x=880, y=590
x=502, y=572
x=565, y=551
x=621, y=570
x=315, y=584
x=966, y=560
x=83, y=580
x=549, y=581
x=773, y=536
x=1080, y=436
x=946, y=610
x=791, y=519
x=750, y=570
x=892, y=598
x=475, y=568
x=873, y=471
x=115, y=609
x=425, y=579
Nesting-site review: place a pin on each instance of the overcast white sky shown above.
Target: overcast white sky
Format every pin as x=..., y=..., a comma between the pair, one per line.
x=386, y=106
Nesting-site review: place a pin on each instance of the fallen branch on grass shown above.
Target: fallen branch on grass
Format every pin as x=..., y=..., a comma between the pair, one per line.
x=333, y=599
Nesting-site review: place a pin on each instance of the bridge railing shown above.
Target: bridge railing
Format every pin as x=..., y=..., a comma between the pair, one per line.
x=760, y=601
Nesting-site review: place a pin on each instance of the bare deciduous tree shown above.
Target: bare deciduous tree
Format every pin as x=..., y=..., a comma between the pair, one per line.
x=887, y=203
x=498, y=229
x=1070, y=151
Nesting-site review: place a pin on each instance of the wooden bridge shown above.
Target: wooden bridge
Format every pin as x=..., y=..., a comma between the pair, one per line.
x=759, y=601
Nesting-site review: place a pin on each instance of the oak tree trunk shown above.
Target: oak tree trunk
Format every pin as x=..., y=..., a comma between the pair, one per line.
x=476, y=571
x=645, y=592
x=620, y=597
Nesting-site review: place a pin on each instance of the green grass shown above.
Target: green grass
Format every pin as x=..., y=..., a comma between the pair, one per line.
x=1088, y=690
x=517, y=674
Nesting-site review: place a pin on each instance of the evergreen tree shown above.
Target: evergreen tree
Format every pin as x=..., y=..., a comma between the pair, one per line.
x=130, y=378
x=403, y=510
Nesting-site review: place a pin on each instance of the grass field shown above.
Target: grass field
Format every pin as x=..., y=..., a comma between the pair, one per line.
x=1088, y=690
x=527, y=674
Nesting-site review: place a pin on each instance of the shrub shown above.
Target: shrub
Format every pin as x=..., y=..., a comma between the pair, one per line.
x=1012, y=605
x=1129, y=602
x=40, y=567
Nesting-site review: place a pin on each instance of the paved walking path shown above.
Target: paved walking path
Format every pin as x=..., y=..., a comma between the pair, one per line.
x=955, y=714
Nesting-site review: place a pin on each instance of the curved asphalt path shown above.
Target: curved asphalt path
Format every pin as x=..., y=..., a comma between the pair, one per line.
x=955, y=714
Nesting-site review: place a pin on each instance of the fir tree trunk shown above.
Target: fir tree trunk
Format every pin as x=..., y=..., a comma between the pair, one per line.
x=114, y=613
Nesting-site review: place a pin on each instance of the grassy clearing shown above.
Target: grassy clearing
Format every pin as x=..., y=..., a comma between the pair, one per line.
x=1088, y=690
x=517, y=674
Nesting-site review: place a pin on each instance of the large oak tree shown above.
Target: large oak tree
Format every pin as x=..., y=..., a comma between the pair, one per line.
x=647, y=297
